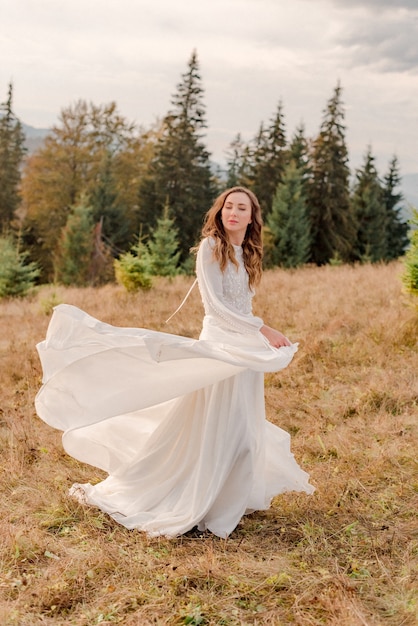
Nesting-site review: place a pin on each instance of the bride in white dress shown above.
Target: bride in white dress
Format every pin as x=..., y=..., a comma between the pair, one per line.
x=178, y=424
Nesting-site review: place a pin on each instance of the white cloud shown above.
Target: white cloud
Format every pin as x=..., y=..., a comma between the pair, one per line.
x=388, y=42
x=252, y=54
x=378, y=5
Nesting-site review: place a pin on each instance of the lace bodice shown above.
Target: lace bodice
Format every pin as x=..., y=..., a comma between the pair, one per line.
x=236, y=291
x=226, y=295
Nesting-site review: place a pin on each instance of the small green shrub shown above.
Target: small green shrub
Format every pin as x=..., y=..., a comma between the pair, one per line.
x=17, y=276
x=132, y=269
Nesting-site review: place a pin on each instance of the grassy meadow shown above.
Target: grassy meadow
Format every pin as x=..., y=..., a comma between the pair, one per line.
x=346, y=556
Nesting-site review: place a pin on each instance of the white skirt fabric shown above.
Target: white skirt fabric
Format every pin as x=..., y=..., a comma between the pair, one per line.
x=178, y=424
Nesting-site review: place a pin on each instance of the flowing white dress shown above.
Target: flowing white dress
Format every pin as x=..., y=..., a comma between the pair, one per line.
x=178, y=424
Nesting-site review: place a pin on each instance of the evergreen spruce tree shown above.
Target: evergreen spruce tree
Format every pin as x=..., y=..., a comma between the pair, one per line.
x=258, y=153
x=180, y=172
x=163, y=247
x=397, y=227
x=333, y=225
x=238, y=163
x=76, y=246
x=12, y=150
x=17, y=275
x=299, y=153
x=269, y=160
x=107, y=206
x=370, y=213
x=288, y=221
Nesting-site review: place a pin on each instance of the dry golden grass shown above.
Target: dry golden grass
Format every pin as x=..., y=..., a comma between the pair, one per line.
x=346, y=556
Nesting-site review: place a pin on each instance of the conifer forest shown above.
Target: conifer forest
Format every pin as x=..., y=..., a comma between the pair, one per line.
x=103, y=197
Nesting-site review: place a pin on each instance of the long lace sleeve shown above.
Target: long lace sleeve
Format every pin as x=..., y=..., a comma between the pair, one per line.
x=211, y=284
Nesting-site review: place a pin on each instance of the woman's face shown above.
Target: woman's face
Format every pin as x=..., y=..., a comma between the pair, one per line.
x=236, y=215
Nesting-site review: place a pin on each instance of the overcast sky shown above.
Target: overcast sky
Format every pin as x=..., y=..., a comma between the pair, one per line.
x=252, y=54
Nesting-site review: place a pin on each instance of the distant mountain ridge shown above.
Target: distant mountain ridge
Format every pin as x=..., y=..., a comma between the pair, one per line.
x=34, y=137
x=409, y=185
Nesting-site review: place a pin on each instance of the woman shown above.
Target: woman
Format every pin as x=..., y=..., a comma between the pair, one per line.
x=178, y=424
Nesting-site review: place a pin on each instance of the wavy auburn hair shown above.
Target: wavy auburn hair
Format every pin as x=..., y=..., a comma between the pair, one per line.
x=252, y=246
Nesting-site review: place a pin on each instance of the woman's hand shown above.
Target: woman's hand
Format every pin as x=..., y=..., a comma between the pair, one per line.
x=274, y=337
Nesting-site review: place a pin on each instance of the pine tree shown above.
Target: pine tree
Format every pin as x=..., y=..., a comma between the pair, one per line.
x=299, y=153
x=333, y=225
x=258, y=153
x=164, y=247
x=269, y=160
x=17, y=275
x=76, y=246
x=397, y=228
x=288, y=221
x=12, y=150
x=180, y=171
x=370, y=212
x=238, y=163
x=108, y=208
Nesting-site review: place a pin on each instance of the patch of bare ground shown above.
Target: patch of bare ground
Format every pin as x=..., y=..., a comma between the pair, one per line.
x=346, y=556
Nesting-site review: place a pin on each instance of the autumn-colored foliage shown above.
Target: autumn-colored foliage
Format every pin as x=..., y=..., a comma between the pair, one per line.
x=93, y=153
